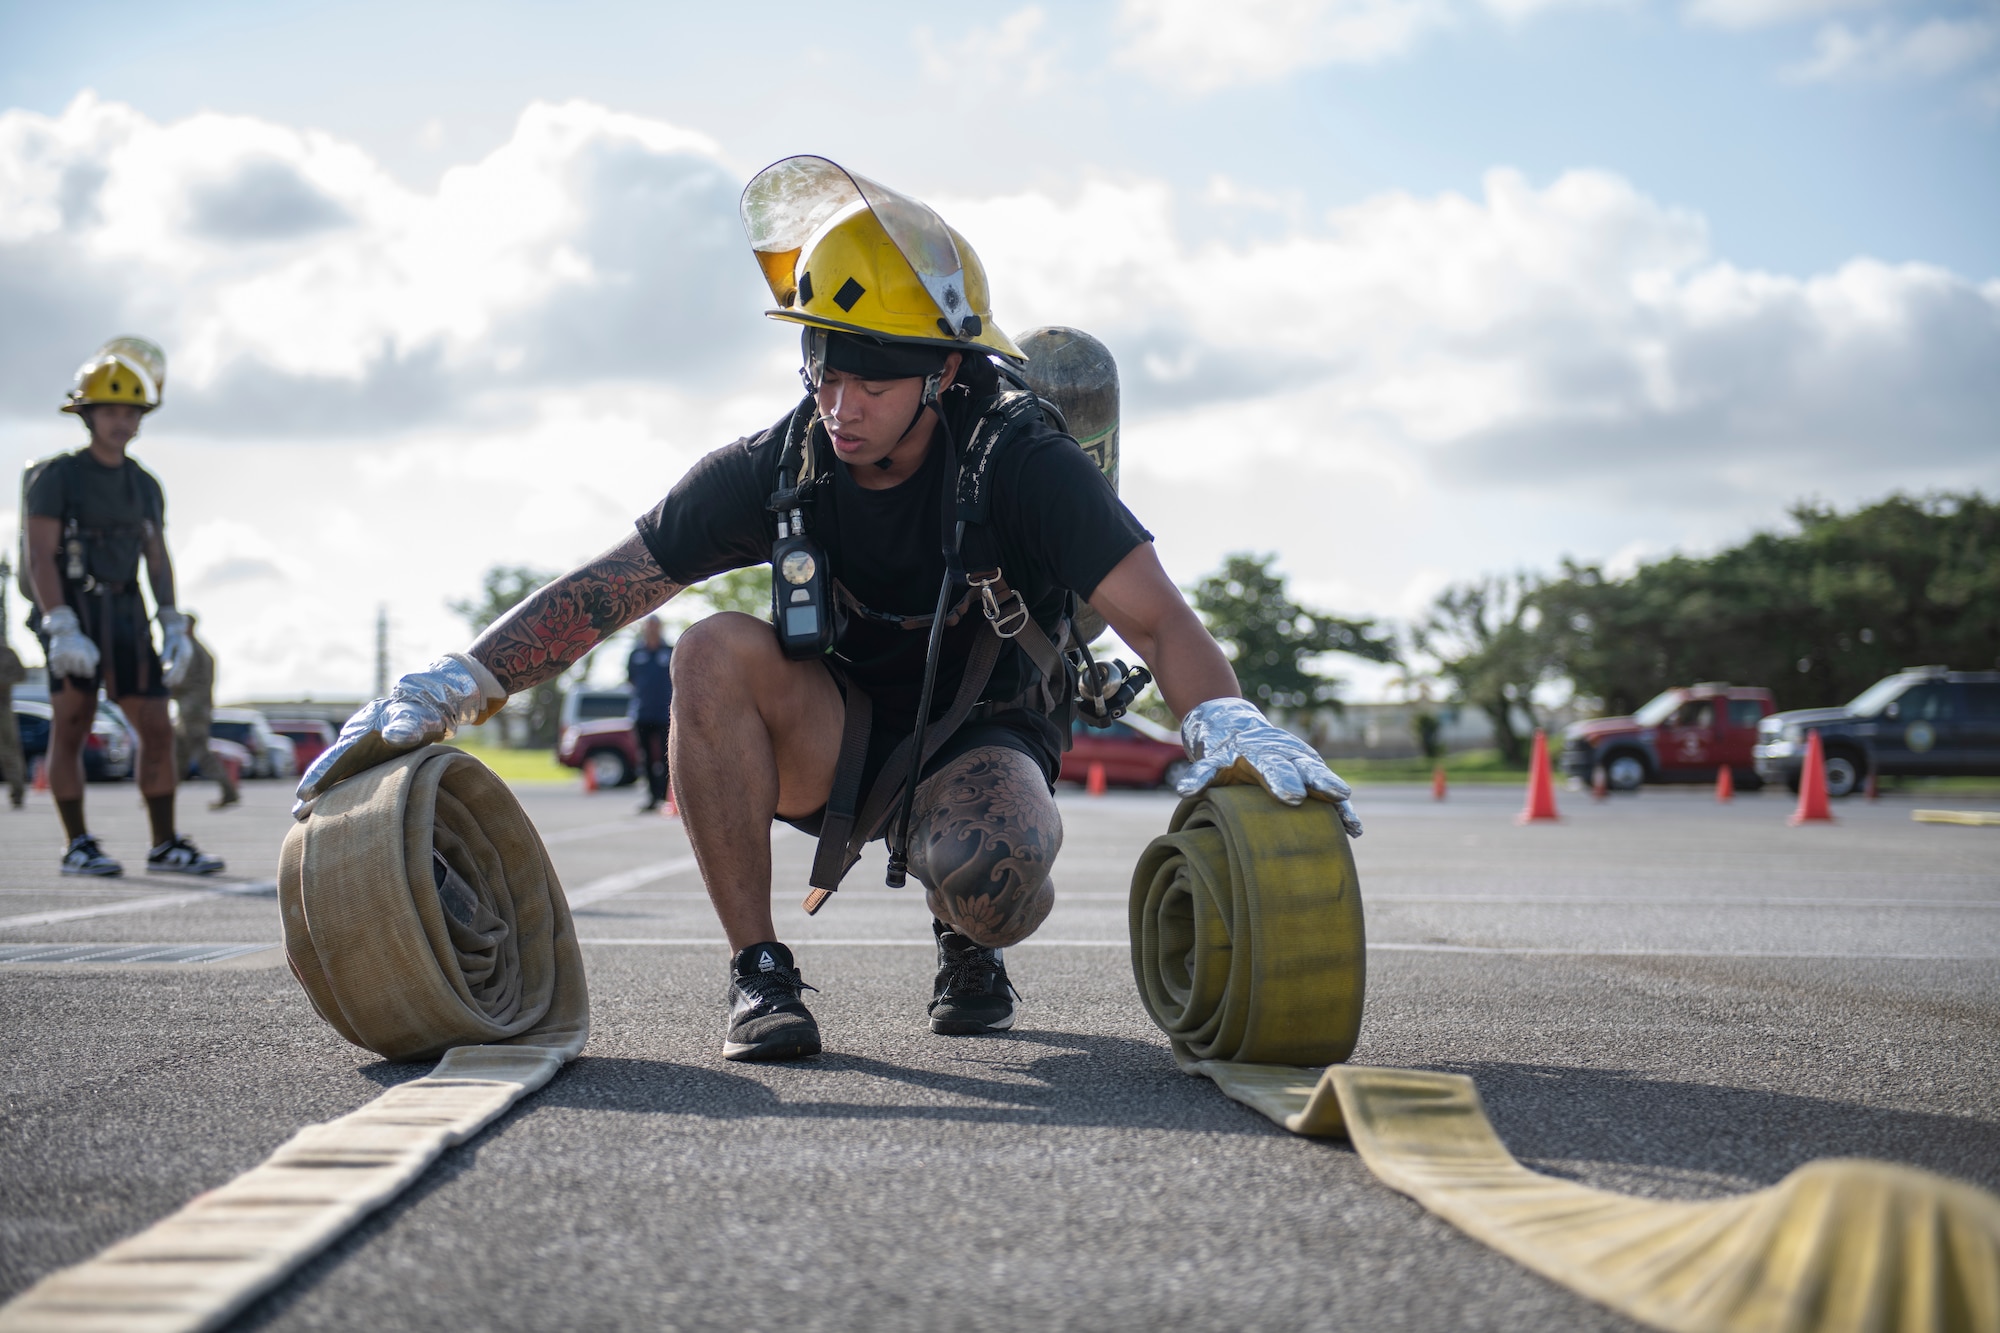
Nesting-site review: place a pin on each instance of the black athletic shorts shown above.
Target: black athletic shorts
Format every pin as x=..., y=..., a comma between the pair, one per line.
x=132, y=667
x=1016, y=729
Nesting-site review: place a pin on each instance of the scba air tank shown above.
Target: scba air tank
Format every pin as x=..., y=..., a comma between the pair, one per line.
x=1077, y=373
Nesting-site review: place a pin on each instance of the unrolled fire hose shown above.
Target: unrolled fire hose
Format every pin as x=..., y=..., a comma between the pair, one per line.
x=1247, y=946
x=424, y=920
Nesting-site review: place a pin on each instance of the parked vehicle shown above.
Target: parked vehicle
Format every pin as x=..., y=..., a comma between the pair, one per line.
x=596, y=705
x=1135, y=752
x=1682, y=735
x=107, y=753
x=308, y=737
x=271, y=755
x=1926, y=721
x=606, y=746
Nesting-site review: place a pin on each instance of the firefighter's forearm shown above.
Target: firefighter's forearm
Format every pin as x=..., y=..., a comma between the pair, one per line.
x=1187, y=664
x=1139, y=601
x=160, y=574
x=44, y=573
x=557, y=624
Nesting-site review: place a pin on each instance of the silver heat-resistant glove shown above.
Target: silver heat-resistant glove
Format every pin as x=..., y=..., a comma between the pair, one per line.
x=176, y=647
x=425, y=706
x=71, y=653
x=1230, y=741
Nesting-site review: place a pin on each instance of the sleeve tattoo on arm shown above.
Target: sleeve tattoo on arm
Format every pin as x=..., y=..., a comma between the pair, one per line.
x=557, y=624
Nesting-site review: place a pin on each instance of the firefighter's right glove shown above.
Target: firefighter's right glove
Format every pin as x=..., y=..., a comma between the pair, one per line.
x=425, y=707
x=71, y=653
x=1230, y=742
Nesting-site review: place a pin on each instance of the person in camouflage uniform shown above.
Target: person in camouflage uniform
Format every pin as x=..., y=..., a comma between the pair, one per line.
x=194, y=700
x=12, y=767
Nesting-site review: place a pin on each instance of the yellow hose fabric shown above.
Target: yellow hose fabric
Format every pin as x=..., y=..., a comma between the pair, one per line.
x=1246, y=937
x=476, y=960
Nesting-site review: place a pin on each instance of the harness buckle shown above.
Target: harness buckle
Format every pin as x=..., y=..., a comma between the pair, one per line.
x=1009, y=618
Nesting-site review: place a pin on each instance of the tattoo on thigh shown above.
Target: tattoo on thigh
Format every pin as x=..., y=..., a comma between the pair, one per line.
x=555, y=625
x=987, y=835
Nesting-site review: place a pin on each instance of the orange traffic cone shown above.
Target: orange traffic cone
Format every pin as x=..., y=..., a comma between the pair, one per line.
x=1812, y=785
x=1600, y=784
x=1541, y=786
x=41, y=778
x=1437, y=783
x=589, y=776
x=1873, y=795
x=1725, y=784
x=1093, y=781
x=672, y=809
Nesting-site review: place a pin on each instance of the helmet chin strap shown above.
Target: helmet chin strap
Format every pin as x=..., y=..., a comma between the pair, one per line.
x=928, y=398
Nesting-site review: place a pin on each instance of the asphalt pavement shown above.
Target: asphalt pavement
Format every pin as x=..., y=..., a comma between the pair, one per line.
x=1658, y=994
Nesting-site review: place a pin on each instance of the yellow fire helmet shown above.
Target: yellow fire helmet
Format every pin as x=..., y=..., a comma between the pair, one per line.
x=124, y=370
x=842, y=252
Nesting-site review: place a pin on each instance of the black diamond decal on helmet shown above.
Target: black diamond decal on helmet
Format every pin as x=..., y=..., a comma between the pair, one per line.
x=805, y=288
x=850, y=292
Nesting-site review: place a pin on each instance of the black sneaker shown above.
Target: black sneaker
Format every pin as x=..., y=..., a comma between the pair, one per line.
x=85, y=857
x=178, y=856
x=767, y=1018
x=972, y=993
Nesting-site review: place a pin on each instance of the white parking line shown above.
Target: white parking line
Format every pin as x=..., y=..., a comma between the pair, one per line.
x=802, y=942
x=624, y=881
x=150, y=903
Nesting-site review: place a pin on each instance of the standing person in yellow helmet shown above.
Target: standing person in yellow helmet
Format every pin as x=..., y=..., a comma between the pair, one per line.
x=934, y=533
x=92, y=516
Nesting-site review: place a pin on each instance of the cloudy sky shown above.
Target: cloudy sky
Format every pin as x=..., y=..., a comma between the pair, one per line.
x=1403, y=290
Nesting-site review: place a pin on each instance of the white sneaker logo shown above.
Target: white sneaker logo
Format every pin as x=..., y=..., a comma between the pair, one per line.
x=766, y=963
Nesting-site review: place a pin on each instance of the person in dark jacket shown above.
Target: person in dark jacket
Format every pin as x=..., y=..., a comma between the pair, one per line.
x=650, y=671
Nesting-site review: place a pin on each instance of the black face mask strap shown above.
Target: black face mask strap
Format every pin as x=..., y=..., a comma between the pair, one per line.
x=899, y=840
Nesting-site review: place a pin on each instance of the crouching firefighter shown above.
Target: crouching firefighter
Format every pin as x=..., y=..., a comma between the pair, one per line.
x=933, y=535
x=92, y=515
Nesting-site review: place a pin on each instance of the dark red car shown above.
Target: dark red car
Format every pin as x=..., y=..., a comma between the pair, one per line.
x=308, y=737
x=1135, y=752
x=606, y=747
x=1682, y=735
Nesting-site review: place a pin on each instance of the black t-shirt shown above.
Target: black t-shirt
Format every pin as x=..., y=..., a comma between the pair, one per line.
x=114, y=507
x=1058, y=526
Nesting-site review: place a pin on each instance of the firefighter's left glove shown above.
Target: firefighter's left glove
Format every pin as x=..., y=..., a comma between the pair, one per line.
x=176, y=646
x=425, y=707
x=70, y=651
x=1230, y=741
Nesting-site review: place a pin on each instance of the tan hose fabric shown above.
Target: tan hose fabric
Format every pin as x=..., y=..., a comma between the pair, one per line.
x=403, y=957
x=1246, y=938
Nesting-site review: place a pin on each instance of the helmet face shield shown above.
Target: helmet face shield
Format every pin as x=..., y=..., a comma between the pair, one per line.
x=787, y=202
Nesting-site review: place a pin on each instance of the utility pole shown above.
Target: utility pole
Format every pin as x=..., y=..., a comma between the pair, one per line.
x=382, y=651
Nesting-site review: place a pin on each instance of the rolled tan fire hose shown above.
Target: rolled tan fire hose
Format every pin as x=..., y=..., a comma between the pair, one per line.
x=424, y=919
x=1247, y=946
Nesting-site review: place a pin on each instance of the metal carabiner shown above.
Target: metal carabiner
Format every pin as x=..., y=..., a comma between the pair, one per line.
x=1006, y=623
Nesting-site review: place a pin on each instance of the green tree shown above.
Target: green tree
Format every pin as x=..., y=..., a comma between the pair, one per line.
x=1271, y=639
x=502, y=589
x=1484, y=637
x=1817, y=615
x=745, y=590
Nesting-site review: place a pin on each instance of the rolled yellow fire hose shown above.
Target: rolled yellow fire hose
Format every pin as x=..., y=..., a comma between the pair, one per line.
x=1247, y=946
x=424, y=919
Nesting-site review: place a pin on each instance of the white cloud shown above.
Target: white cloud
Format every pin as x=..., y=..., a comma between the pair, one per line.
x=1885, y=51
x=292, y=277
x=1744, y=14
x=1015, y=56
x=377, y=391
x=1202, y=47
